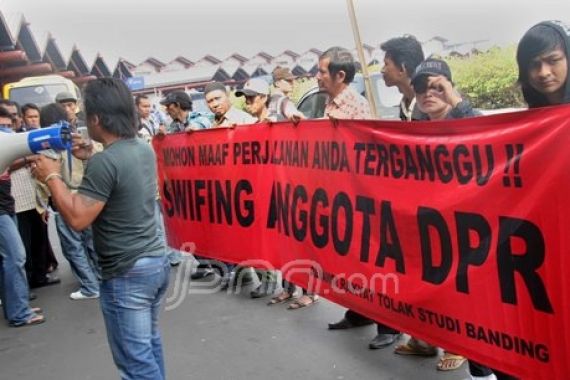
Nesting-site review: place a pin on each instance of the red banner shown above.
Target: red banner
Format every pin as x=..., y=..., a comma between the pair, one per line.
x=453, y=231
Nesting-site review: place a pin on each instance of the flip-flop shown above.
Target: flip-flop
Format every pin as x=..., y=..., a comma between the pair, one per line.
x=37, y=310
x=296, y=305
x=450, y=362
x=35, y=320
x=415, y=349
x=279, y=299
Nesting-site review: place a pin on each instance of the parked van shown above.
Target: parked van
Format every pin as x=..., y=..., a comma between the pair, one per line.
x=39, y=90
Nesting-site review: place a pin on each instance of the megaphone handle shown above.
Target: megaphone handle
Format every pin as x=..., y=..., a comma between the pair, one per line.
x=69, y=159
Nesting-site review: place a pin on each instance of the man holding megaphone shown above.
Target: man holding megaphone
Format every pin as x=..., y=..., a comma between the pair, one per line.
x=117, y=197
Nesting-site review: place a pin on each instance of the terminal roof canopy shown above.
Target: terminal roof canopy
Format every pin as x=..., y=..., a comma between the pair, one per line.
x=28, y=43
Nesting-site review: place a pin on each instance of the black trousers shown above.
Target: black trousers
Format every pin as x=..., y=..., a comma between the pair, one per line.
x=290, y=288
x=34, y=234
x=357, y=318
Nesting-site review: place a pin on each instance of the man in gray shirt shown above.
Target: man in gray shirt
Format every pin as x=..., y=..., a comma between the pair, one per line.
x=117, y=196
x=219, y=103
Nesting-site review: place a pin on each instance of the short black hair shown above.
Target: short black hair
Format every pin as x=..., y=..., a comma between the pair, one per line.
x=51, y=114
x=29, y=106
x=5, y=113
x=340, y=59
x=111, y=101
x=140, y=97
x=405, y=51
x=214, y=86
x=540, y=39
x=7, y=102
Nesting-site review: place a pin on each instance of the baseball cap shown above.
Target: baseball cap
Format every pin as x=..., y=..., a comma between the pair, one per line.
x=214, y=86
x=179, y=97
x=433, y=67
x=254, y=86
x=65, y=96
x=282, y=73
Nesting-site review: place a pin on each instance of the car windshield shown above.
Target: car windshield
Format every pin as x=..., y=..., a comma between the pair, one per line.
x=40, y=95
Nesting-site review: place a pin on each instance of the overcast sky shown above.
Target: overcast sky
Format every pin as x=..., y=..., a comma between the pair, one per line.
x=137, y=29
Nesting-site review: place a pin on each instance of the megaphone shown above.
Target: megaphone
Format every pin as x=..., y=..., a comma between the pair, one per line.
x=16, y=145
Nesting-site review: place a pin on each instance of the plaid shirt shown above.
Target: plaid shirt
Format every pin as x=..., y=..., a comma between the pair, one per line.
x=348, y=105
x=23, y=189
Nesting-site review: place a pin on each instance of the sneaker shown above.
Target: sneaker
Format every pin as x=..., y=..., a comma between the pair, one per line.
x=80, y=296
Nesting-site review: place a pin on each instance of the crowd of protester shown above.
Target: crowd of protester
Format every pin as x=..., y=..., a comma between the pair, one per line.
x=112, y=232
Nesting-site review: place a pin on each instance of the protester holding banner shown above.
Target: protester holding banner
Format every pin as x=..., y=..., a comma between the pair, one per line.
x=148, y=128
x=257, y=100
x=118, y=195
x=542, y=58
x=225, y=114
x=436, y=97
x=336, y=70
x=280, y=101
x=435, y=93
x=402, y=56
x=256, y=93
x=148, y=123
x=179, y=107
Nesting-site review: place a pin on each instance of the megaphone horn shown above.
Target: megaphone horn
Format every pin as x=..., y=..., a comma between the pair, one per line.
x=16, y=145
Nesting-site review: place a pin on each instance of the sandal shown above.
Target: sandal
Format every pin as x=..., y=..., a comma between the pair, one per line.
x=36, y=319
x=413, y=347
x=37, y=310
x=450, y=362
x=299, y=304
x=280, y=298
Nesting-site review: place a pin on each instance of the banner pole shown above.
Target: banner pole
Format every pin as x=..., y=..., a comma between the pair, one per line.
x=367, y=82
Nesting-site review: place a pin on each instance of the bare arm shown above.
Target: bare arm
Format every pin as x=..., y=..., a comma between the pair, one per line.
x=78, y=210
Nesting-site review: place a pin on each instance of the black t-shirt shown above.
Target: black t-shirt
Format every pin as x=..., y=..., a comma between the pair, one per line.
x=6, y=200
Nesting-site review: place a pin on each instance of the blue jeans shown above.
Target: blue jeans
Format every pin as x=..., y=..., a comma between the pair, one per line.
x=174, y=256
x=78, y=249
x=130, y=304
x=14, y=290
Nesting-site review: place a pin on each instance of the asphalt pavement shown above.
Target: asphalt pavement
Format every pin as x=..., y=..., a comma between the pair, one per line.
x=206, y=335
